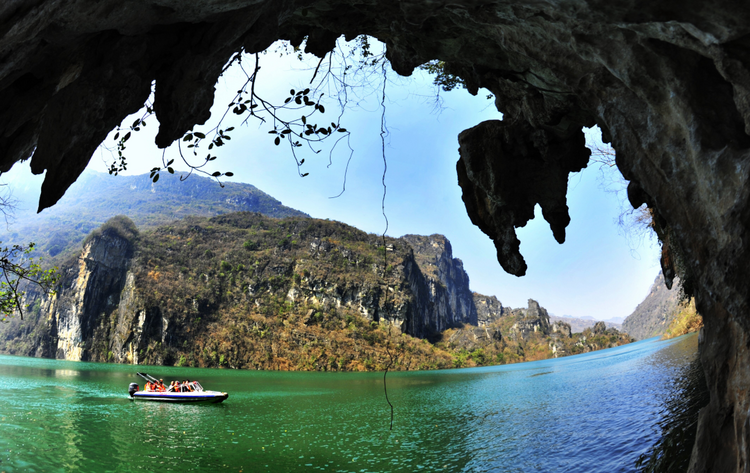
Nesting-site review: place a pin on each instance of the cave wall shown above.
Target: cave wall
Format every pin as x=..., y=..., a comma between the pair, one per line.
x=667, y=82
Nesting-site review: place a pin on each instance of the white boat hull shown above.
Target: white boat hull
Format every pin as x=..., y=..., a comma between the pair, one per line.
x=201, y=397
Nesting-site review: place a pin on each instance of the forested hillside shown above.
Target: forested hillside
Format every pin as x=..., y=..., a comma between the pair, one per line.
x=243, y=290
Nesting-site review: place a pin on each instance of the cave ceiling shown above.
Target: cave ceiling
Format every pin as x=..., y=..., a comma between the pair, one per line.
x=666, y=81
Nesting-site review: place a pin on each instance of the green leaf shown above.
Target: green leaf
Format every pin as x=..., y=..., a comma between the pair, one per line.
x=171, y=171
x=277, y=141
x=229, y=174
x=156, y=178
x=342, y=130
x=291, y=92
x=288, y=99
x=230, y=128
x=298, y=100
x=305, y=174
x=199, y=135
x=304, y=119
x=216, y=174
x=126, y=137
x=169, y=163
x=322, y=109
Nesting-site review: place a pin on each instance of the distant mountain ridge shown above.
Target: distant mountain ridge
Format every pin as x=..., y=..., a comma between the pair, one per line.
x=579, y=324
x=96, y=197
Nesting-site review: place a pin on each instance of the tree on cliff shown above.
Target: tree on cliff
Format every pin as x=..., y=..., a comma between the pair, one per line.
x=18, y=268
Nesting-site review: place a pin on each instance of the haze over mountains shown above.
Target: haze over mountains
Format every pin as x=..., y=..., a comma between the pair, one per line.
x=579, y=324
x=97, y=197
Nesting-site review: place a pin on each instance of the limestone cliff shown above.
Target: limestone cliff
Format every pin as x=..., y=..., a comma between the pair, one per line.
x=652, y=316
x=68, y=325
x=488, y=309
x=451, y=300
x=139, y=300
x=668, y=83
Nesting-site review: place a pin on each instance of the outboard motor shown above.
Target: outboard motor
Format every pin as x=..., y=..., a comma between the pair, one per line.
x=132, y=389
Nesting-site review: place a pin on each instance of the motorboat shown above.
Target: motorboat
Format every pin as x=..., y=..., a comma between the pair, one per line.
x=188, y=393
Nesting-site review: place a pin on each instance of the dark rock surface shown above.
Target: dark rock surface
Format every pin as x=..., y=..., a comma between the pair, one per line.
x=667, y=82
x=450, y=298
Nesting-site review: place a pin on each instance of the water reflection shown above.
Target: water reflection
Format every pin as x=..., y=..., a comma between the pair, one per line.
x=680, y=409
x=594, y=412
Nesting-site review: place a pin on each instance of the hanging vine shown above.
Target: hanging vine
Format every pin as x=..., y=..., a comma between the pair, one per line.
x=297, y=121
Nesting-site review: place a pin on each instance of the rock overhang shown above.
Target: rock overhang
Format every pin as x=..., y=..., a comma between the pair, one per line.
x=667, y=82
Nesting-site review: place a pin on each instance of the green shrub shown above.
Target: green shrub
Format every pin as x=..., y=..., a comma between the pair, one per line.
x=119, y=226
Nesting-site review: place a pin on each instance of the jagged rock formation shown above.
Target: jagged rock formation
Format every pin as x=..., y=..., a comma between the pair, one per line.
x=652, y=316
x=667, y=82
x=527, y=335
x=563, y=328
x=489, y=309
x=533, y=319
x=447, y=284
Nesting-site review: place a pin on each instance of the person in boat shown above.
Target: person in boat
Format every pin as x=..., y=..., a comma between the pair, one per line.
x=147, y=387
x=160, y=387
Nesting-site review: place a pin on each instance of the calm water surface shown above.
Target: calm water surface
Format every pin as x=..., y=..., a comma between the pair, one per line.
x=595, y=412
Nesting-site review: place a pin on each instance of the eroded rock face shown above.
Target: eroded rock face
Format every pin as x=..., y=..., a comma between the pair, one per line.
x=667, y=82
x=89, y=288
x=489, y=308
x=535, y=319
x=451, y=302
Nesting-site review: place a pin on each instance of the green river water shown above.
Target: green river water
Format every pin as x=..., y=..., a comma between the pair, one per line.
x=599, y=411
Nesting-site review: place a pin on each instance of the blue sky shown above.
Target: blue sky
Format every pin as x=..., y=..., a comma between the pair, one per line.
x=599, y=271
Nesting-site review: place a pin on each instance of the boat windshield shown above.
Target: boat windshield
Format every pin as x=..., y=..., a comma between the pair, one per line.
x=195, y=386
